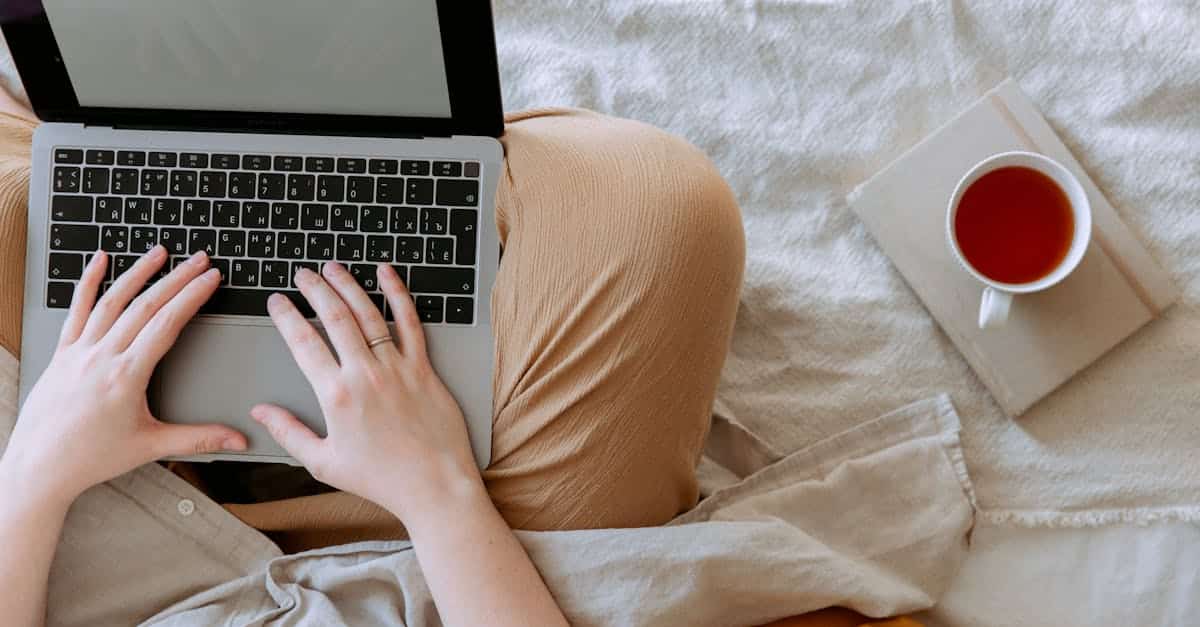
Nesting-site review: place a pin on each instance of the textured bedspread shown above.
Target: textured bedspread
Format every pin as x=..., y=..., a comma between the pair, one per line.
x=797, y=102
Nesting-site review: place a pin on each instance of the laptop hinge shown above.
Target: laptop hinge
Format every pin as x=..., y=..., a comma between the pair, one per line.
x=263, y=129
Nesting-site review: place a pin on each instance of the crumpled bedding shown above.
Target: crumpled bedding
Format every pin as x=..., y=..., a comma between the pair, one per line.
x=799, y=101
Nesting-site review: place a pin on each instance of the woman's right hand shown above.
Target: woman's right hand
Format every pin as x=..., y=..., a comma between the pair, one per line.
x=395, y=434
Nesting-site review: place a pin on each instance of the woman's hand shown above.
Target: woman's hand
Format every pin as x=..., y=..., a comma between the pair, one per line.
x=87, y=420
x=395, y=434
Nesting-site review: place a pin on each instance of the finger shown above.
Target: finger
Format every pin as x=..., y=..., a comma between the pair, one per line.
x=368, y=316
x=118, y=296
x=339, y=323
x=295, y=438
x=130, y=323
x=176, y=440
x=308, y=348
x=408, y=324
x=157, y=337
x=84, y=298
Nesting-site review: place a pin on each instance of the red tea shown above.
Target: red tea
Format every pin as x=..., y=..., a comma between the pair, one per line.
x=1014, y=225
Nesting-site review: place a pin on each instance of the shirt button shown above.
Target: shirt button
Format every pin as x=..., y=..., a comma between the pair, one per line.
x=186, y=507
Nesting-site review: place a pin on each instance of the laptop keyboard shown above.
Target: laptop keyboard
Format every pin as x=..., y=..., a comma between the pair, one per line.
x=262, y=217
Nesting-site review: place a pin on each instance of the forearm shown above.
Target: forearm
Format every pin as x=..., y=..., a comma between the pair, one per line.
x=31, y=523
x=476, y=570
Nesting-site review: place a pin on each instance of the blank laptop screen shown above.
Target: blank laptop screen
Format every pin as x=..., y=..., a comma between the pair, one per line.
x=349, y=57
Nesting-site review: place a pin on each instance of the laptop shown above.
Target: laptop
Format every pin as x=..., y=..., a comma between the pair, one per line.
x=274, y=135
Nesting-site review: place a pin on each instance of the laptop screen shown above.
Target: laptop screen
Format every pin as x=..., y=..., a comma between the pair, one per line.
x=349, y=57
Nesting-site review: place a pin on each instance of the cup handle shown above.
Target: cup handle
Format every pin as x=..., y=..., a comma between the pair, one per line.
x=993, y=308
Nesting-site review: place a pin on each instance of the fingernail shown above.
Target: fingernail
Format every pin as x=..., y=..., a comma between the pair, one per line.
x=257, y=412
x=304, y=276
x=158, y=251
x=199, y=257
x=213, y=275
x=233, y=443
x=275, y=301
x=334, y=267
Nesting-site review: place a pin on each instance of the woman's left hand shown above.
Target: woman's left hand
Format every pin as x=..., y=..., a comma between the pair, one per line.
x=87, y=420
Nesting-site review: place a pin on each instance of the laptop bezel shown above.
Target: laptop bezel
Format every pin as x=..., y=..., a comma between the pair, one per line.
x=468, y=47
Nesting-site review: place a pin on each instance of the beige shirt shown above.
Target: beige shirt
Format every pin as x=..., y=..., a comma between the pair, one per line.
x=874, y=519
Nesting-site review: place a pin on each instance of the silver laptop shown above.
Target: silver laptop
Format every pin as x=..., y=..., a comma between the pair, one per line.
x=274, y=135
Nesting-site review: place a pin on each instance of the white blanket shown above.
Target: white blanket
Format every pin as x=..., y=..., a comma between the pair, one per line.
x=797, y=102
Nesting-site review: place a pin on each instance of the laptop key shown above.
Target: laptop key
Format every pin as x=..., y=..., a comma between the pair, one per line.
x=137, y=211
x=212, y=184
x=373, y=219
x=68, y=155
x=433, y=280
x=256, y=162
x=261, y=244
x=58, y=294
x=289, y=163
x=274, y=274
x=226, y=162
x=447, y=168
x=433, y=221
x=471, y=169
x=65, y=266
x=301, y=187
x=271, y=186
x=80, y=237
x=114, y=239
x=163, y=159
x=226, y=213
x=108, y=209
x=183, y=183
x=346, y=165
x=364, y=275
x=410, y=167
x=100, y=157
x=194, y=160
x=383, y=166
x=222, y=266
x=124, y=181
x=460, y=310
x=196, y=212
x=203, y=239
x=320, y=246
x=404, y=220
x=142, y=239
x=285, y=215
x=344, y=218
x=458, y=192
x=389, y=189
x=318, y=164
x=380, y=248
x=95, y=180
x=350, y=247
x=297, y=265
x=409, y=249
x=240, y=302
x=167, y=211
x=314, y=217
x=331, y=188
x=429, y=308
x=66, y=179
x=154, y=182
x=360, y=189
x=244, y=273
x=242, y=184
x=174, y=240
x=135, y=158
x=290, y=245
x=419, y=191
x=121, y=264
x=231, y=243
x=462, y=227
x=256, y=215
x=71, y=208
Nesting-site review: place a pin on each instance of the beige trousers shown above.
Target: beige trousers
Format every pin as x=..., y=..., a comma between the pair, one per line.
x=612, y=312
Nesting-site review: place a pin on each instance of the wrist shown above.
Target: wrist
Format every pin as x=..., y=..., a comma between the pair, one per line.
x=30, y=486
x=437, y=497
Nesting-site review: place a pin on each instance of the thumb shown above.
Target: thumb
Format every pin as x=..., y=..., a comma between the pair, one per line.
x=294, y=436
x=197, y=439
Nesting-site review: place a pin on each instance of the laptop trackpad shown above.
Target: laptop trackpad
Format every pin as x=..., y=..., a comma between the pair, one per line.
x=217, y=371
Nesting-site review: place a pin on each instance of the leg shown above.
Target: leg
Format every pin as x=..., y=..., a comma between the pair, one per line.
x=613, y=309
x=16, y=135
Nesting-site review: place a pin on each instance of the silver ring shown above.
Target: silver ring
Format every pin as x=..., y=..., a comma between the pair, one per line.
x=379, y=340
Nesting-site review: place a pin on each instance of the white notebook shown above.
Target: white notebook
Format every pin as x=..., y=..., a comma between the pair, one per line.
x=1051, y=335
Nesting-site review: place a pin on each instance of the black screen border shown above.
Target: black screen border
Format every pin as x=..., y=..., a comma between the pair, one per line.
x=468, y=47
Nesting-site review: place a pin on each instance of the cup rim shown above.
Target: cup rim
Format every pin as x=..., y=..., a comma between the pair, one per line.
x=1076, y=196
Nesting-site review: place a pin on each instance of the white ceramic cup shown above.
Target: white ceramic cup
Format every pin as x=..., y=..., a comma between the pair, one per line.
x=997, y=297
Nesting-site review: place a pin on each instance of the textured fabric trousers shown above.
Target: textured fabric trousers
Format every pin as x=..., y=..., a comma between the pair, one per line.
x=612, y=313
